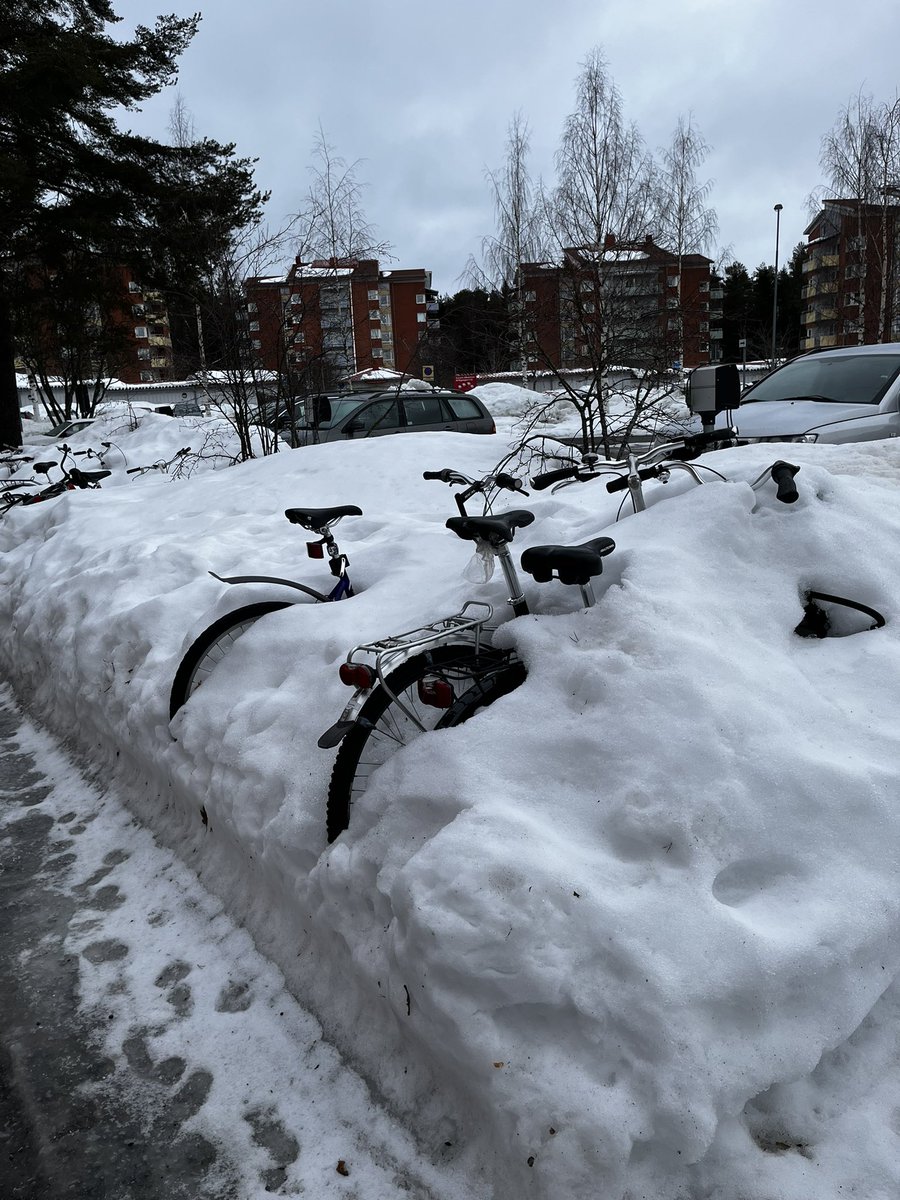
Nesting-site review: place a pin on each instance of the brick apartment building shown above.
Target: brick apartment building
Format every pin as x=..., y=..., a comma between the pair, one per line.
x=147, y=356
x=643, y=305
x=850, y=280
x=128, y=336
x=334, y=317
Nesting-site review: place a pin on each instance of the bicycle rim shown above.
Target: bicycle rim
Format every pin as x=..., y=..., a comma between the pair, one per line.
x=212, y=646
x=394, y=715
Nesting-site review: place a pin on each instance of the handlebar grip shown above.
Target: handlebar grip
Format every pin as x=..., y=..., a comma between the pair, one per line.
x=539, y=482
x=783, y=475
x=509, y=482
x=442, y=475
x=620, y=484
x=133, y=470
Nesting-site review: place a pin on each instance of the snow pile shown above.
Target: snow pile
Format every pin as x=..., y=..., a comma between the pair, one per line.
x=136, y=439
x=632, y=931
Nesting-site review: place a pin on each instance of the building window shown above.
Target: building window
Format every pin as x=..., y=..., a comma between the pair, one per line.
x=530, y=297
x=147, y=377
x=251, y=307
x=672, y=281
x=133, y=287
x=704, y=326
x=295, y=298
x=375, y=335
x=374, y=314
x=704, y=287
x=373, y=294
x=421, y=317
x=138, y=310
x=377, y=352
x=143, y=352
x=256, y=344
x=254, y=326
x=140, y=331
x=420, y=298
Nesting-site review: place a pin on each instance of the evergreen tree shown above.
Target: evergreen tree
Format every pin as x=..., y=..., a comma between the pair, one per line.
x=70, y=178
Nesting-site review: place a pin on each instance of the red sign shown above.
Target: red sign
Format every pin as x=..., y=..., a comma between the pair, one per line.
x=464, y=383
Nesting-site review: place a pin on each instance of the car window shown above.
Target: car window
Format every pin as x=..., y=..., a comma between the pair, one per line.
x=380, y=415
x=848, y=379
x=464, y=408
x=424, y=410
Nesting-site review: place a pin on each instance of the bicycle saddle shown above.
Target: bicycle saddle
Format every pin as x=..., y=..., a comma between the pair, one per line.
x=496, y=531
x=315, y=519
x=573, y=564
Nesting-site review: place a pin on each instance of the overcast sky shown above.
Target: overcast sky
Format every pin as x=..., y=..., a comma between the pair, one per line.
x=423, y=93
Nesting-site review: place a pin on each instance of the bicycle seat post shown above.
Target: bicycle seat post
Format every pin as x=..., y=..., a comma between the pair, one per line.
x=516, y=599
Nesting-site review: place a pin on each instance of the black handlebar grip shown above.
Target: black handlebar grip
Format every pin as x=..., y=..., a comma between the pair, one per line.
x=783, y=474
x=133, y=470
x=509, y=482
x=620, y=484
x=539, y=482
x=442, y=475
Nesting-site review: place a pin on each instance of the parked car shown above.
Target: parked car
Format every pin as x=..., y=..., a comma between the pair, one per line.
x=354, y=415
x=846, y=395
x=67, y=428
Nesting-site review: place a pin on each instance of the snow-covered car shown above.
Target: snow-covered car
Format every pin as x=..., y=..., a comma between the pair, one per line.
x=372, y=415
x=846, y=395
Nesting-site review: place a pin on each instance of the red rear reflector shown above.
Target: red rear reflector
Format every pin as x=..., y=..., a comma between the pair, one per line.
x=315, y=549
x=437, y=693
x=356, y=675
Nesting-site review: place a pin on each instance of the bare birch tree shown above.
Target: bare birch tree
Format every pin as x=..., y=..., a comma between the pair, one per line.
x=602, y=206
x=684, y=223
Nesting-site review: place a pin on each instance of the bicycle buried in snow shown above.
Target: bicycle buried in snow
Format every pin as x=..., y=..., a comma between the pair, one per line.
x=215, y=642
x=439, y=675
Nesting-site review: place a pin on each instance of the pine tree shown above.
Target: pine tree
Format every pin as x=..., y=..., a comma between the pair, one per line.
x=70, y=177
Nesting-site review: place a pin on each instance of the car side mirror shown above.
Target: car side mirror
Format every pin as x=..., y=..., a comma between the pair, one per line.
x=321, y=411
x=712, y=390
x=353, y=427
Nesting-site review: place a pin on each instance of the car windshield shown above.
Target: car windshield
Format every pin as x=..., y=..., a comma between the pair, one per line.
x=843, y=379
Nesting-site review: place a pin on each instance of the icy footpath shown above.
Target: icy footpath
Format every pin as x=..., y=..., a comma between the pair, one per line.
x=630, y=932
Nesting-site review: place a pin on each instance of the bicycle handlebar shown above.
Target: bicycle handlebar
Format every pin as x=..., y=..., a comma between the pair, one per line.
x=548, y=478
x=501, y=480
x=783, y=477
x=620, y=484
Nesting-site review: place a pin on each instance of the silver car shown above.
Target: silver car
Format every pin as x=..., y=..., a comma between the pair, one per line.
x=846, y=395
x=335, y=418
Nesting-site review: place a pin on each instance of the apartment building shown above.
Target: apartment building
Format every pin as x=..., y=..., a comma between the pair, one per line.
x=147, y=356
x=850, y=280
x=622, y=303
x=334, y=317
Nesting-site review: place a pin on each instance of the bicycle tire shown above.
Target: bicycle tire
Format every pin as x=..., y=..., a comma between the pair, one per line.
x=212, y=646
x=382, y=727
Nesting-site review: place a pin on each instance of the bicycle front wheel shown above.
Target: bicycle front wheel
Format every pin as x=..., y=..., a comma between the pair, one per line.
x=425, y=693
x=212, y=646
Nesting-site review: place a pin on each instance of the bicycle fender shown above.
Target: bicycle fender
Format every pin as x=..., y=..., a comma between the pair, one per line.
x=300, y=587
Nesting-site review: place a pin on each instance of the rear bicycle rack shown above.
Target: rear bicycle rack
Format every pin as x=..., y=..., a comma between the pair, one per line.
x=390, y=651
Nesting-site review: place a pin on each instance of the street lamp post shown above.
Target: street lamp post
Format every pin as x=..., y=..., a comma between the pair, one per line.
x=778, y=208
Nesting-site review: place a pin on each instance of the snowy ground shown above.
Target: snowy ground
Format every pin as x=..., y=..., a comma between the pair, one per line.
x=631, y=932
x=192, y=1057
